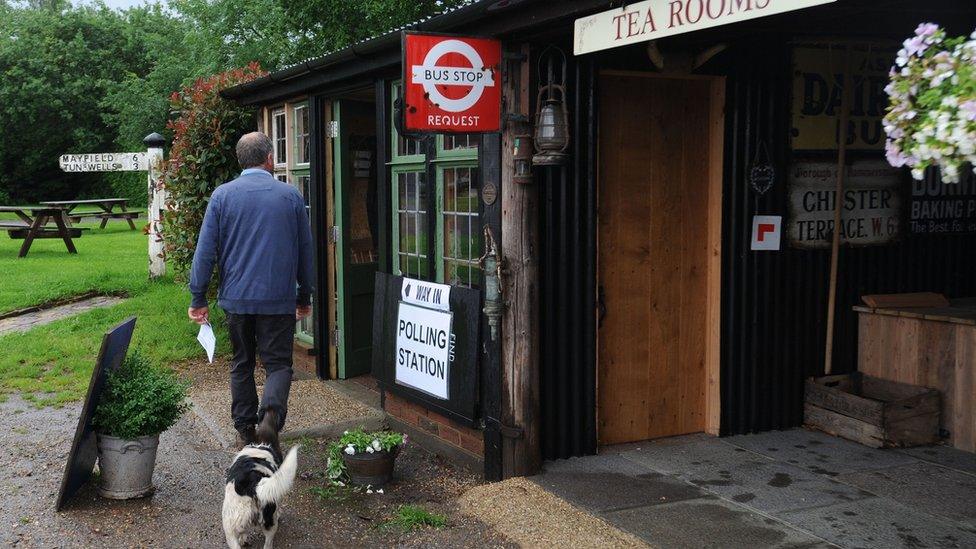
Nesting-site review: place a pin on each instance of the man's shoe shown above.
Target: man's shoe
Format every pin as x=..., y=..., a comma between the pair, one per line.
x=245, y=436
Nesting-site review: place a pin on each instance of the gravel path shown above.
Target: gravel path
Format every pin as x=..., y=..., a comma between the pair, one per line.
x=185, y=510
x=532, y=517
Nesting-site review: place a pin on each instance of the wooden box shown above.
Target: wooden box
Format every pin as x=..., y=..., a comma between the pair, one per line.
x=873, y=411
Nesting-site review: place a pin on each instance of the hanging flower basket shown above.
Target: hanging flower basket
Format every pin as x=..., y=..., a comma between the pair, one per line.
x=931, y=117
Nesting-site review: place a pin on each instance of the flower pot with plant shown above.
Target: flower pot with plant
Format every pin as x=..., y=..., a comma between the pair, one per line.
x=365, y=459
x=140, y=401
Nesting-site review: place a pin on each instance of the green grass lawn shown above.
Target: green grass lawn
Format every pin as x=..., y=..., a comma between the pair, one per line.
x=52, y=364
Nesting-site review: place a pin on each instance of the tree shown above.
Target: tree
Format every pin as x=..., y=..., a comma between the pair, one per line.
x=203, y=156
x=56, y=66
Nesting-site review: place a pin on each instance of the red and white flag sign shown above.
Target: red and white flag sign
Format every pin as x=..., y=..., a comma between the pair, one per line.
x=766, y=232
x=451, y=83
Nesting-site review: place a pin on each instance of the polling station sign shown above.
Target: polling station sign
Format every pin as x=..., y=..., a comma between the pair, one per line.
x=424, y=349
x=451, y=83
x=414, y=323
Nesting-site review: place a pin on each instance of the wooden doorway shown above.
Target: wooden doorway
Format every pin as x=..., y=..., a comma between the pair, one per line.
x=660, y=184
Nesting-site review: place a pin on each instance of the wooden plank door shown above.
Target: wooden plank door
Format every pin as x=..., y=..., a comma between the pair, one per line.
x=354, y=168
x=656, y=173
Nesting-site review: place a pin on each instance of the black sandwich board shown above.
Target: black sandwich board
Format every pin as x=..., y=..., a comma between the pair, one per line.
x=84, y=452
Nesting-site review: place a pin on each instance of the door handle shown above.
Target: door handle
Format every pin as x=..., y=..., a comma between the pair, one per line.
x=601, y=305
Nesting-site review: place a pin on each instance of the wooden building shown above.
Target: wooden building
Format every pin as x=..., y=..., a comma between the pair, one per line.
x=635, y=303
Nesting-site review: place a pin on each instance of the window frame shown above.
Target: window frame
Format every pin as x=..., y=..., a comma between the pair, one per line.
x=432, y=162
x=275, y=138
x=440, y=236
x=296, y=137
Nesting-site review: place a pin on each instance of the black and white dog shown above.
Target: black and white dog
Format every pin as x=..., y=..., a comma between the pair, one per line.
x=257, y=481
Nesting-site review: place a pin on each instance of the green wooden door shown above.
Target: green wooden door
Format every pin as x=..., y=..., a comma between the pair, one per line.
x=355, y=214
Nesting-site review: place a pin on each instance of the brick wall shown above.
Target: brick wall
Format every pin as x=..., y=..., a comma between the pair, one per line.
x=463, y=438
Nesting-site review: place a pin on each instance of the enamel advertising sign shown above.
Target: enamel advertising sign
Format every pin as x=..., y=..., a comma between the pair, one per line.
x=653, y=19
x=452, y=84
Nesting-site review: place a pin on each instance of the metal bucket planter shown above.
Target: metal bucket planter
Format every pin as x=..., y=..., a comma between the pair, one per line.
x=126, y=466
x=374, y=469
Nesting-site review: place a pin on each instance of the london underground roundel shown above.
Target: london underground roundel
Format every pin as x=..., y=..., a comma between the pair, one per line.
x=451, y=83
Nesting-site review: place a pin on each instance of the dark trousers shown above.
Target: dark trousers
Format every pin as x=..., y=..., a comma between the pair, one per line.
x=269, y=337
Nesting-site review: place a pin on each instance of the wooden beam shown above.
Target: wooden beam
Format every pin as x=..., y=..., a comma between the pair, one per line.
x=713, y=361
x=845, y=108
x=521, y=454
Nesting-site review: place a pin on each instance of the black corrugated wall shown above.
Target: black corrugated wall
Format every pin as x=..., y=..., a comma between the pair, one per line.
x=567, y=284
x=774, y=303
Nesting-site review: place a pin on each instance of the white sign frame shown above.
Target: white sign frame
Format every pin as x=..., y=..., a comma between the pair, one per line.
x=653, y=19
x=438, y=321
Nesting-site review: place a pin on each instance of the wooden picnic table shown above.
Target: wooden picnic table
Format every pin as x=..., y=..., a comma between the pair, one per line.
x=107, y=205
x=33, y=224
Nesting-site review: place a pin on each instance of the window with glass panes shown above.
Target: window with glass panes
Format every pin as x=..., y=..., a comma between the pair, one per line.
x=301, y=134
x=279, y=137
x=452, y=159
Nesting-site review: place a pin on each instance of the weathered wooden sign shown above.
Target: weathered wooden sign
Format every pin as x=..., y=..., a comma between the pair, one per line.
x=939, y=208
x=817, y=85
x=872, y=203
x=653, y=19
x=105, y=162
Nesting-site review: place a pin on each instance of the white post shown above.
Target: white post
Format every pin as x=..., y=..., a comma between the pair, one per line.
x=157, y=201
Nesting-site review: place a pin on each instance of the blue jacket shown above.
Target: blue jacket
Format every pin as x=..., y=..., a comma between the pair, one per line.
x=256, y=231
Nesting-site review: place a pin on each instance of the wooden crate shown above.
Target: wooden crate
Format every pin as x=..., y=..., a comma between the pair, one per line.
x=873, y=411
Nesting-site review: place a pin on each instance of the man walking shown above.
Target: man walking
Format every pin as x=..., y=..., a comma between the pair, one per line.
x=256, y=231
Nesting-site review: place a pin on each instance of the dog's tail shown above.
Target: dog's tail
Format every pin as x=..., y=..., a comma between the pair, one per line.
x=274, y=488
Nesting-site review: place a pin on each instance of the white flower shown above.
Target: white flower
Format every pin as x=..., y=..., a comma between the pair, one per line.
x=377, y=446
x=368, y=491
x=380, y=491
x=369, y=450
x=350, y=450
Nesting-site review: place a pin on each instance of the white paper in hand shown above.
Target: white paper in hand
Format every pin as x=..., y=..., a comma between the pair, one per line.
x=207, y=338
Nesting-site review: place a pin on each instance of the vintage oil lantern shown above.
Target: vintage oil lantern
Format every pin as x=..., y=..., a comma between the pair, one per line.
x=522, y=158
x=552, y=119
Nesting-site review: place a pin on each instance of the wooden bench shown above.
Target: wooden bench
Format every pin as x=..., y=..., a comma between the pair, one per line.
x=105, y=216
x=21, y=233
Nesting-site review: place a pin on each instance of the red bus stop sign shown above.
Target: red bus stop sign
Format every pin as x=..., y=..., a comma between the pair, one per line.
x=452, y=84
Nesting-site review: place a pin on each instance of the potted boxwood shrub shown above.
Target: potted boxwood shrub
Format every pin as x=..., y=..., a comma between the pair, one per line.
x=365, y=459
x=140, y=401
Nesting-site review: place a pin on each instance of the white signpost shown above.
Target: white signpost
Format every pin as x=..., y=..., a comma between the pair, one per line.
x=653, y=19
x=147, y=161
x=424, y=340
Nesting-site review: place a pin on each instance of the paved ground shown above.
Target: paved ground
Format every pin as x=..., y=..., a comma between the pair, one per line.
x=314, y=408
x=26, y=321
x=793, y=488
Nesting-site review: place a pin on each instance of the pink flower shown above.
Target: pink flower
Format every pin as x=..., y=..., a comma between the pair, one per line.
x=915, y=46
x=925, y=30
x=968, y=110
x=894, y=154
